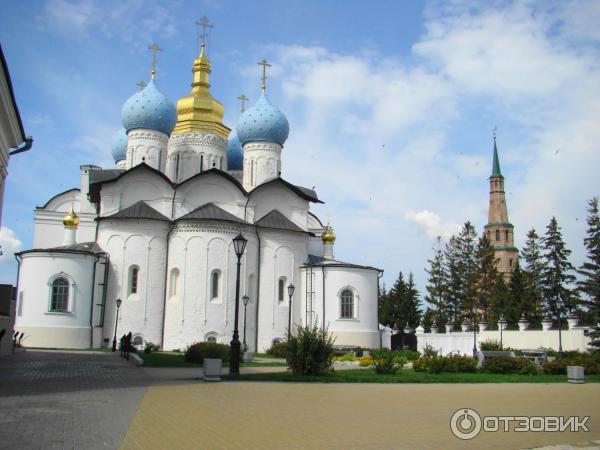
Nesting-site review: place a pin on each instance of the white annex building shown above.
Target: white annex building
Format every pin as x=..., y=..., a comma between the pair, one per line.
x=156, y=232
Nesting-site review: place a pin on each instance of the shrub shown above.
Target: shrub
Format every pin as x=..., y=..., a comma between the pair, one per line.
x=410, y=355
x=452, y=363
x=310, y=351
x=196, y=353
x=429, y=351
x=508, y=365
x=346, y=357
x=590, y=362
x=279, y=350
x=384, y=361
x=490, y=346
x=150, y=347
x=365, y=361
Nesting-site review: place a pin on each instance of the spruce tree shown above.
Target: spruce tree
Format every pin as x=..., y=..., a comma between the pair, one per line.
x=428, y=319
x=467, y=263
x=452, y=281
x=403, y=304
x=533, y=267
x=556, y=275
x=394, y=303
x=411, y=304
x=435, y=282
x=516, y=298
x=589, y=283
x=486, y=275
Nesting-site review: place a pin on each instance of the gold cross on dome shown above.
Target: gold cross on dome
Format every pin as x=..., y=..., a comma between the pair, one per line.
x=155, y=48
x=264, y=63
x=141, y=85
x=205, y=24
x=243, y=99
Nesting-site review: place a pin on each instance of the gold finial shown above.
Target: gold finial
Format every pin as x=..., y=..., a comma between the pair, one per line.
x=71, y=220
x=264, y=63
x=494, y=133
x=328, y=236
x=141, y=85
x=243, y=99
x=155, y=48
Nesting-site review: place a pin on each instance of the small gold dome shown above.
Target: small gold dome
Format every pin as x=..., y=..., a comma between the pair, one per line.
x=328, y=236
x=71, y=220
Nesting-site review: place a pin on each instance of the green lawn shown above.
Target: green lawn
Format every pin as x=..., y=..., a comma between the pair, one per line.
x=410, y=376
x=170, y=359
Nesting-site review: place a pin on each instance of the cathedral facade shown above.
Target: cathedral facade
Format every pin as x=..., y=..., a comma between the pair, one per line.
x=156, y=231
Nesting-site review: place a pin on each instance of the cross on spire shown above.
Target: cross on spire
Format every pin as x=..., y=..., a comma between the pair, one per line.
x=243, y=99
x=205, y=24
x=141, y=84
x=494, y=133
x=264, y=63
x=155, y=48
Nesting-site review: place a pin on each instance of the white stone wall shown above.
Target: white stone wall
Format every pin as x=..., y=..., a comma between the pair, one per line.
x=188, y=151
x=363, y=329
x=140, y=243
x=147, y=146
x=43, y=328
x=262, y=162
x=462, y=342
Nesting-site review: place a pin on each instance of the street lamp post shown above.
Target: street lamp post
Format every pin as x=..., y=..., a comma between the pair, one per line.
x=291, y=289
x=501, y=323
x=559, y=311
x=474, y=325
x=245, y=299
x=114, y=347
x=239, y=245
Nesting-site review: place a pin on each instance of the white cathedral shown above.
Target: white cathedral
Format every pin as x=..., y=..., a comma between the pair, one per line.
x=156, y=233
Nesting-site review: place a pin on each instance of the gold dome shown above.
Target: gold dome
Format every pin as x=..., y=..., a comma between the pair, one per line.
x=199, y=111
x=328, y=236
x=71, y=220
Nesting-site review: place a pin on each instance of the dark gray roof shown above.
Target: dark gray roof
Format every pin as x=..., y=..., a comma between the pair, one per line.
x=139, y=210
x=275, y=219
x=309, y=193
x=210, y=211
x=83, y=247
x=314, y=260
x=102, y=175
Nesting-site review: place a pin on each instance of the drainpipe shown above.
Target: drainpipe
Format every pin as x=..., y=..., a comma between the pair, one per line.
x=257, y=287
x=96, y=258
x=380, y=274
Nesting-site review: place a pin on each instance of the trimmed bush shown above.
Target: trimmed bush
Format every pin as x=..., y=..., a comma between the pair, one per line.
x=452, y=363
x=278, y=350
x=150, y=347
x=429, y=351
x=196, y=353
x=590, y=362
x=508, y=365
x=490, y=346
x=384, y=361
x=310, y=351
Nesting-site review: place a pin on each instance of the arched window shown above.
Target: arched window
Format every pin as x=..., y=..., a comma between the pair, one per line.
x=215, y=281
x=497, y=235
x=59, y=301
x=134, y=275
x=174, y=282
x=210, y=337
x=281, y=285
x=137, y=341
x=347, y=304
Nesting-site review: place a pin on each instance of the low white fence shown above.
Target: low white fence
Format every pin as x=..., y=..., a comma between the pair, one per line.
x=575, y=338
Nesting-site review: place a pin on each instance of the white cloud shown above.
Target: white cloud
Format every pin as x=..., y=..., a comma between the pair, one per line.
x=9, y=243
x=432, y=224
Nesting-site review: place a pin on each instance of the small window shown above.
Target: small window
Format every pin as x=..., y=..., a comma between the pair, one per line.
x=211, y=338
x=60, y=295
x=281, y=285
x=215, y=284
x=510, y=262
x=506, y=235
x=497, y=235
x=134, y=274
x=276, y=341
x=138, y=341
x=20, y=309
x=174, y=283
x=201, y=163
x=347, y=304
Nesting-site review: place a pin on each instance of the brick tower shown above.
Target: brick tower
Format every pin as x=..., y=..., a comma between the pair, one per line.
x=498, y=229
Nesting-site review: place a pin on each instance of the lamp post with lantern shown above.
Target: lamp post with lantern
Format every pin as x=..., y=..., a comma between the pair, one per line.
x=291, y=288
x=114, y=346
x=239, y=245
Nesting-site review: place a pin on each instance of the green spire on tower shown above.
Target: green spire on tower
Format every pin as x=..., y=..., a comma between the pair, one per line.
x=496, y=167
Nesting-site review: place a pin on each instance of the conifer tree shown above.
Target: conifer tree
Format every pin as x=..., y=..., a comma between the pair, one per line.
x=533, y=267
x=428, y=319
x=467, y=263
x=452, y=281
x=403, y=304
x=556, y=275
x=411, y=304
x=435, y=282
x=486, y=275
x=515, y=300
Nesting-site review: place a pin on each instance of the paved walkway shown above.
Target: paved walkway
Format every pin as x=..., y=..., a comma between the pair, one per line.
x=89, y=401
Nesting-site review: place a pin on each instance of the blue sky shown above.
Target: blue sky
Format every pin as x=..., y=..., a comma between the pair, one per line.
x=391, y=106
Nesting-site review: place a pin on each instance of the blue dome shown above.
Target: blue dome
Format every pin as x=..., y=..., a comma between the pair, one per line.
x=263, y=122
x=150, y=109
x=119, y=145
x=235, y=153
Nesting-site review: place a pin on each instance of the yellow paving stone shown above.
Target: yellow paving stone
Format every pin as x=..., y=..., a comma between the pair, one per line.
x=246, y=415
